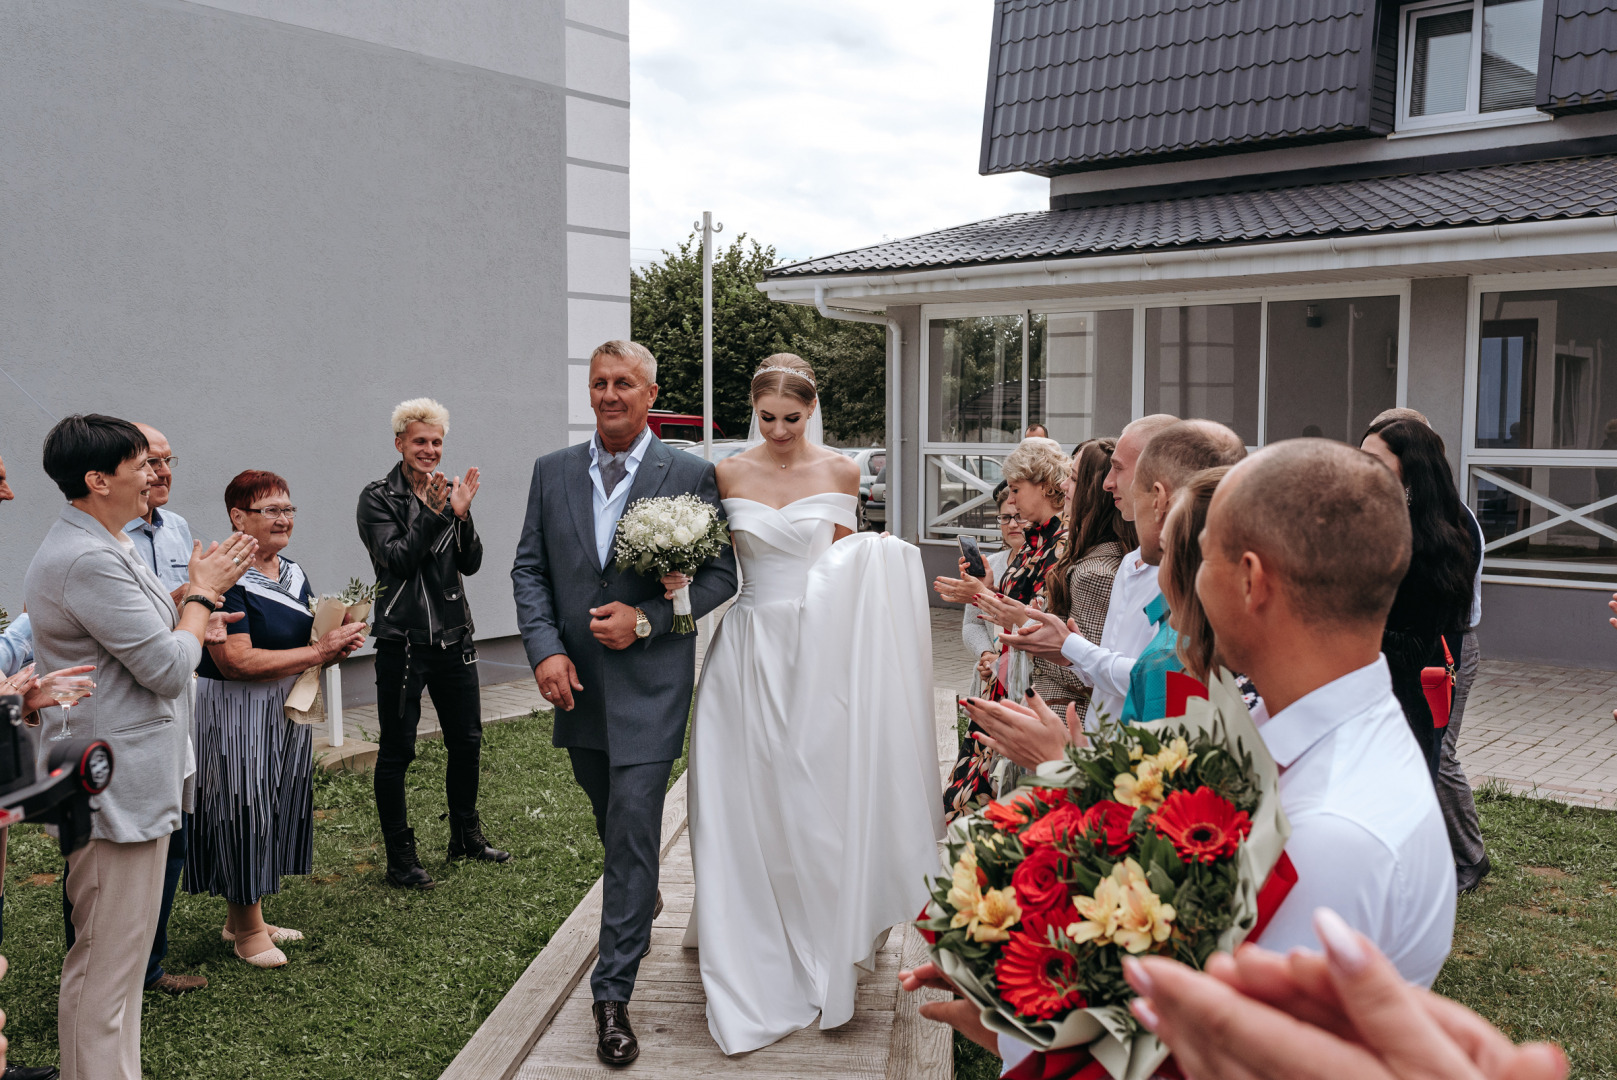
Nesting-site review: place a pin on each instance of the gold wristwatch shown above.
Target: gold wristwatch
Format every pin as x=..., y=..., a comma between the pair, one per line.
x=642, y=625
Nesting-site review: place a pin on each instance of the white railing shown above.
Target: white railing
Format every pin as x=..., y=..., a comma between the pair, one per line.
x=947, y=521
x=1545, y=513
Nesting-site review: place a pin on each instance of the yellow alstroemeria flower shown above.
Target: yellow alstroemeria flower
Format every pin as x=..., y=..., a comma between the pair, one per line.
x=1142, y=787
x=1123, y=912
x=964, y=892
x=996, y=914
x=1173, y=757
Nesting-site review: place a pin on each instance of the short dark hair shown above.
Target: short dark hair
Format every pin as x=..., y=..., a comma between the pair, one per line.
x=1002, y=491
x=89, y=442
x=1329, y=520
x=250, y=485
x=1180, y=451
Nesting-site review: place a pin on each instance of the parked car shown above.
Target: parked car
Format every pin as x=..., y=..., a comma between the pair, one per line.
x=870, y=460
x=721, y=450
x=873, y=507
x=672, y=426
x=953, y=491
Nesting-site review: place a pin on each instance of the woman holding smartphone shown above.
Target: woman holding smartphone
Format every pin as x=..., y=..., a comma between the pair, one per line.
x=980, y=638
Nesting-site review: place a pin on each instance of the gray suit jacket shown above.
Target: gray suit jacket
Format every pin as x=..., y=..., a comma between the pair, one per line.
x=635, y=702
x=92, y=602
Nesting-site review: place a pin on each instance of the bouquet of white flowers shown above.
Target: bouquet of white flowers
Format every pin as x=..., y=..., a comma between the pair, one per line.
x=677, y=534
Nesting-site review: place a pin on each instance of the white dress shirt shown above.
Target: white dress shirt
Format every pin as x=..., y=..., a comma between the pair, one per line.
x=1367, y=836
x=609, y=510
x=1124, y=635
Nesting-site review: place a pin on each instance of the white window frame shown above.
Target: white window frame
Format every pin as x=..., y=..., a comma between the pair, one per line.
x=1399, y=287
x=1504, y=570
x=1471, y=117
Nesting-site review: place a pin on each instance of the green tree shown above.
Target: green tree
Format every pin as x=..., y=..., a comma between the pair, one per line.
x=666, y=317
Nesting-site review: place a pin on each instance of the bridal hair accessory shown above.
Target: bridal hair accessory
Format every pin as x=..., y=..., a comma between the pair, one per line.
x=805, y=376
x=1163, y=838
x=674, y=534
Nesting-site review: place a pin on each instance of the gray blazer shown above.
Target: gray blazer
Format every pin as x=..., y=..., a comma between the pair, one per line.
x=634, y=702
x=93, y=602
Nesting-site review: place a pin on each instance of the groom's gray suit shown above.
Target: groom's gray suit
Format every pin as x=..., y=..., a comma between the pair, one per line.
x=627, y=725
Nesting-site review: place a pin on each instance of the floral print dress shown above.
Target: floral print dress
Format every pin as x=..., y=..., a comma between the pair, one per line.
x=971, y=780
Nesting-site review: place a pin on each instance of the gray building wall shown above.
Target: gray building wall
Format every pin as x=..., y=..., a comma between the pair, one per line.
x=259, y=224
x=1564, y=627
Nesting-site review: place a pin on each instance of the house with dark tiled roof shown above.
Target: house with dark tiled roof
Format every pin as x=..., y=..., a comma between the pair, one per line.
x=1285, y=215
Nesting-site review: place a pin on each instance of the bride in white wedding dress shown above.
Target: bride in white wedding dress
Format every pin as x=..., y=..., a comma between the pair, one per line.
x=815, y=803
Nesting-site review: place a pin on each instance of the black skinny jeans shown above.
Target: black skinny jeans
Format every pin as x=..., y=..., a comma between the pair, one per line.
x=452, y=682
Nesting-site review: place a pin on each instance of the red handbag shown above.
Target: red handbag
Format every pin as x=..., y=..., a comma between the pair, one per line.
x=1437, y=683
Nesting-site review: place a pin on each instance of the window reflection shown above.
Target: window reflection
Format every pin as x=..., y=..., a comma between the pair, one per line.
x=1080, y=366
x=1333, y=365
x=976, y=379
x=1203, y=362
x=1546, y=376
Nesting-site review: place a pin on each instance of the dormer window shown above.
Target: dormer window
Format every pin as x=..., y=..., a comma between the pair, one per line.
x=1468, y=63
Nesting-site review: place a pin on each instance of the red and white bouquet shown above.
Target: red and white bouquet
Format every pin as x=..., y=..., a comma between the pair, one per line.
x=1155, y=838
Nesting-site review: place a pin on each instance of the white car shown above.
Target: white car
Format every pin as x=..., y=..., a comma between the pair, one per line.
x=722, y=448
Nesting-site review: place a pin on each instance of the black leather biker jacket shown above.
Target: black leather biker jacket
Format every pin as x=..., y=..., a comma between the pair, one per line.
x=419, y=558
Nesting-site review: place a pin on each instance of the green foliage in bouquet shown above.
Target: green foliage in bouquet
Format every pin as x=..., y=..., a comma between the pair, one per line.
x=355, y=592
x=1136, y=844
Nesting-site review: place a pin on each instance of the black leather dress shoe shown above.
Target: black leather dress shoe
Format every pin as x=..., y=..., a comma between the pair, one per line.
x=466, y=841
x=16, y=1070
x=615, y=1043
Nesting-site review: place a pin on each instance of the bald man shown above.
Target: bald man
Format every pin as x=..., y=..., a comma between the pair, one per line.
x=1106, y=664
x=1305, y=544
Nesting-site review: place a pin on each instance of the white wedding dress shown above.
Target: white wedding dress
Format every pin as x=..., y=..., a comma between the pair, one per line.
x=815, y=802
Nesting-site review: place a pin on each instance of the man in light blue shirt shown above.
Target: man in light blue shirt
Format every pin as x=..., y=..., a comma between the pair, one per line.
x=162, y=538
x=609, y=508
x=17, y=640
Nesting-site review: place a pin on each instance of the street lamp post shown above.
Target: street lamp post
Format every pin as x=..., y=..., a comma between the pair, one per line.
x=708, y=227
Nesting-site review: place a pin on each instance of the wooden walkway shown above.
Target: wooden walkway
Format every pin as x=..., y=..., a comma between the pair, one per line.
x=544, y=1028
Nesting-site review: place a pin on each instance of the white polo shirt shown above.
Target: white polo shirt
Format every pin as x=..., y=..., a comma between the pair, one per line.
x=1367, y=835
x=1124, y=635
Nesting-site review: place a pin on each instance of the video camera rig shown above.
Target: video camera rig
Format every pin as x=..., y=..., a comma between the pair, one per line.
x=75, y=773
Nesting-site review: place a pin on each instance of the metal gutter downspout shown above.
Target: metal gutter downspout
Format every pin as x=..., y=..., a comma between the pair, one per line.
x=895, y=386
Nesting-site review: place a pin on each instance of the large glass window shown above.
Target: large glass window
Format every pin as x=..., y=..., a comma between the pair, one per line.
x=1468, y=60
x=1079, y=373
x=1547, y=370
x=1333, y=365
x=976, y=380
x=1203, y=361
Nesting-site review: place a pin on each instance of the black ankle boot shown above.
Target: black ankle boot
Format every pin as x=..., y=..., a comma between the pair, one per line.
x=466, y=841
x=404, y=869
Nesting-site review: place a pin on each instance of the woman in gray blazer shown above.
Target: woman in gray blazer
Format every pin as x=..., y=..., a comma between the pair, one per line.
x=92, y=600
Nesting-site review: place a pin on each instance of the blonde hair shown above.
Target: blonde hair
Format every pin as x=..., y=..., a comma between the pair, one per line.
x=1039, y=461
x=630, y=350
x=786, y=374
x=422, y=410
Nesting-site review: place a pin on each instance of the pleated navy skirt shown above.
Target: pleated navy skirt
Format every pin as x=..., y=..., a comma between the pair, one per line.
x=254, y=818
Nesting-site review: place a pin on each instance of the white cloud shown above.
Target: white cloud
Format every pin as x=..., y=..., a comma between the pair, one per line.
x=813, y=125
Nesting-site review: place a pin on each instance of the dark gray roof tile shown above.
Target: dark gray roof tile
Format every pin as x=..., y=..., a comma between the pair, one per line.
x=1527, y=191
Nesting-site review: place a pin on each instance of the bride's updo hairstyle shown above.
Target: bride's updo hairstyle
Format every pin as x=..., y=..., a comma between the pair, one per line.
x=786, y=374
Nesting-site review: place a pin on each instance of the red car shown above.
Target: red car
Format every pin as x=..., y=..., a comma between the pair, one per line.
x=679, y=426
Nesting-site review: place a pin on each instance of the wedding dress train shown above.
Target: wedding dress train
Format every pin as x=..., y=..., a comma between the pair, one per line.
x=815, y=802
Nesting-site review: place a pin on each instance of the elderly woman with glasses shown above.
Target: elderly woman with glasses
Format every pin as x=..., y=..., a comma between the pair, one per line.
x=255, y=767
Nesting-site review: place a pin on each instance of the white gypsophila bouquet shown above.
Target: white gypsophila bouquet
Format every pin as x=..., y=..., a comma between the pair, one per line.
x=674, y=534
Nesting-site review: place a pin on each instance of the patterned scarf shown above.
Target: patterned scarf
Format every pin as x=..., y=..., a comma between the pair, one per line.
x=1025, y=576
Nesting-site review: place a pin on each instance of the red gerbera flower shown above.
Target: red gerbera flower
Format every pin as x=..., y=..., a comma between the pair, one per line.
x=1063, y=820
x=1034, y=977
x=1204, y=826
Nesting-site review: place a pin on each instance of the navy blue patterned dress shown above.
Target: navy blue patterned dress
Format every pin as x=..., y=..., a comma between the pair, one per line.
x=255, y=768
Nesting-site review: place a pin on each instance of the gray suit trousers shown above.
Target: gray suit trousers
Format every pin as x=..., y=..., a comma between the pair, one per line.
x=628, y=805
x=1453, y=789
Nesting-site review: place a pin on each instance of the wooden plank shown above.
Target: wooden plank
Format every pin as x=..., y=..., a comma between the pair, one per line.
x=922, y=1049
x=498, y=1048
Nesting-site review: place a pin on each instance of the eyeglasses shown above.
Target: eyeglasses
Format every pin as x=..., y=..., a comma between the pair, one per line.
x=272, y=512
x=163, y=462
x=1008, y=519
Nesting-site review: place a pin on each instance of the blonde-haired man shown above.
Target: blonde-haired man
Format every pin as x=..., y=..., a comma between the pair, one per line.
x=417, y=526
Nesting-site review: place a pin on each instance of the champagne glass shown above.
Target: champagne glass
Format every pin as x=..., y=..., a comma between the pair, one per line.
x=67, y=692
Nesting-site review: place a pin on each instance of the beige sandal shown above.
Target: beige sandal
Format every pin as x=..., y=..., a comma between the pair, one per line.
x=269, y=958
x=279, y=935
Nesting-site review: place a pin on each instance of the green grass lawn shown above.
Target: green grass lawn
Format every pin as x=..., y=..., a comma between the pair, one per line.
x=389, y=983
x=1535, y=949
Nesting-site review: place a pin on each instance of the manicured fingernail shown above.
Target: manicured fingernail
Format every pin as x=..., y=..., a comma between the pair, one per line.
x=1342, y=946
x=1029, y=691
x=1137, y=976
x=1144, y=1013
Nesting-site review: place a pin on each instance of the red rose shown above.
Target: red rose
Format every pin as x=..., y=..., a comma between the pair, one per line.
x=1107, y=824
x=1064, y=820
x=1204, y=826
x=1040, y=889
x=1034, y=977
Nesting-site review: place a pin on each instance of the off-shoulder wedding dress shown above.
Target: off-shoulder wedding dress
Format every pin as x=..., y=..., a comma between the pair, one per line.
x=815, y=804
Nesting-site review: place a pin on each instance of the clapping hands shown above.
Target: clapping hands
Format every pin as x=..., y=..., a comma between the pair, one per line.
x=1028, y=734
x=457, y=494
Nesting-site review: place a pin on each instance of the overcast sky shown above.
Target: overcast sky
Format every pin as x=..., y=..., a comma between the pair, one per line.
x=813, y=125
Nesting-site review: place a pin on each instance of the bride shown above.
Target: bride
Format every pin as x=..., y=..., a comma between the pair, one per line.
x=814, y=790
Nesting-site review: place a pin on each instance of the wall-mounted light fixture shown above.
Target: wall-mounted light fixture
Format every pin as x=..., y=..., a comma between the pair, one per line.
x=1312, y=318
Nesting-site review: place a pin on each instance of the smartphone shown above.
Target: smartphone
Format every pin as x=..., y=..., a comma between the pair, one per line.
x=975, y=566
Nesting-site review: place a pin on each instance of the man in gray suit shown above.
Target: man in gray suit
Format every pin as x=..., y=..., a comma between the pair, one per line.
x=600, y=644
